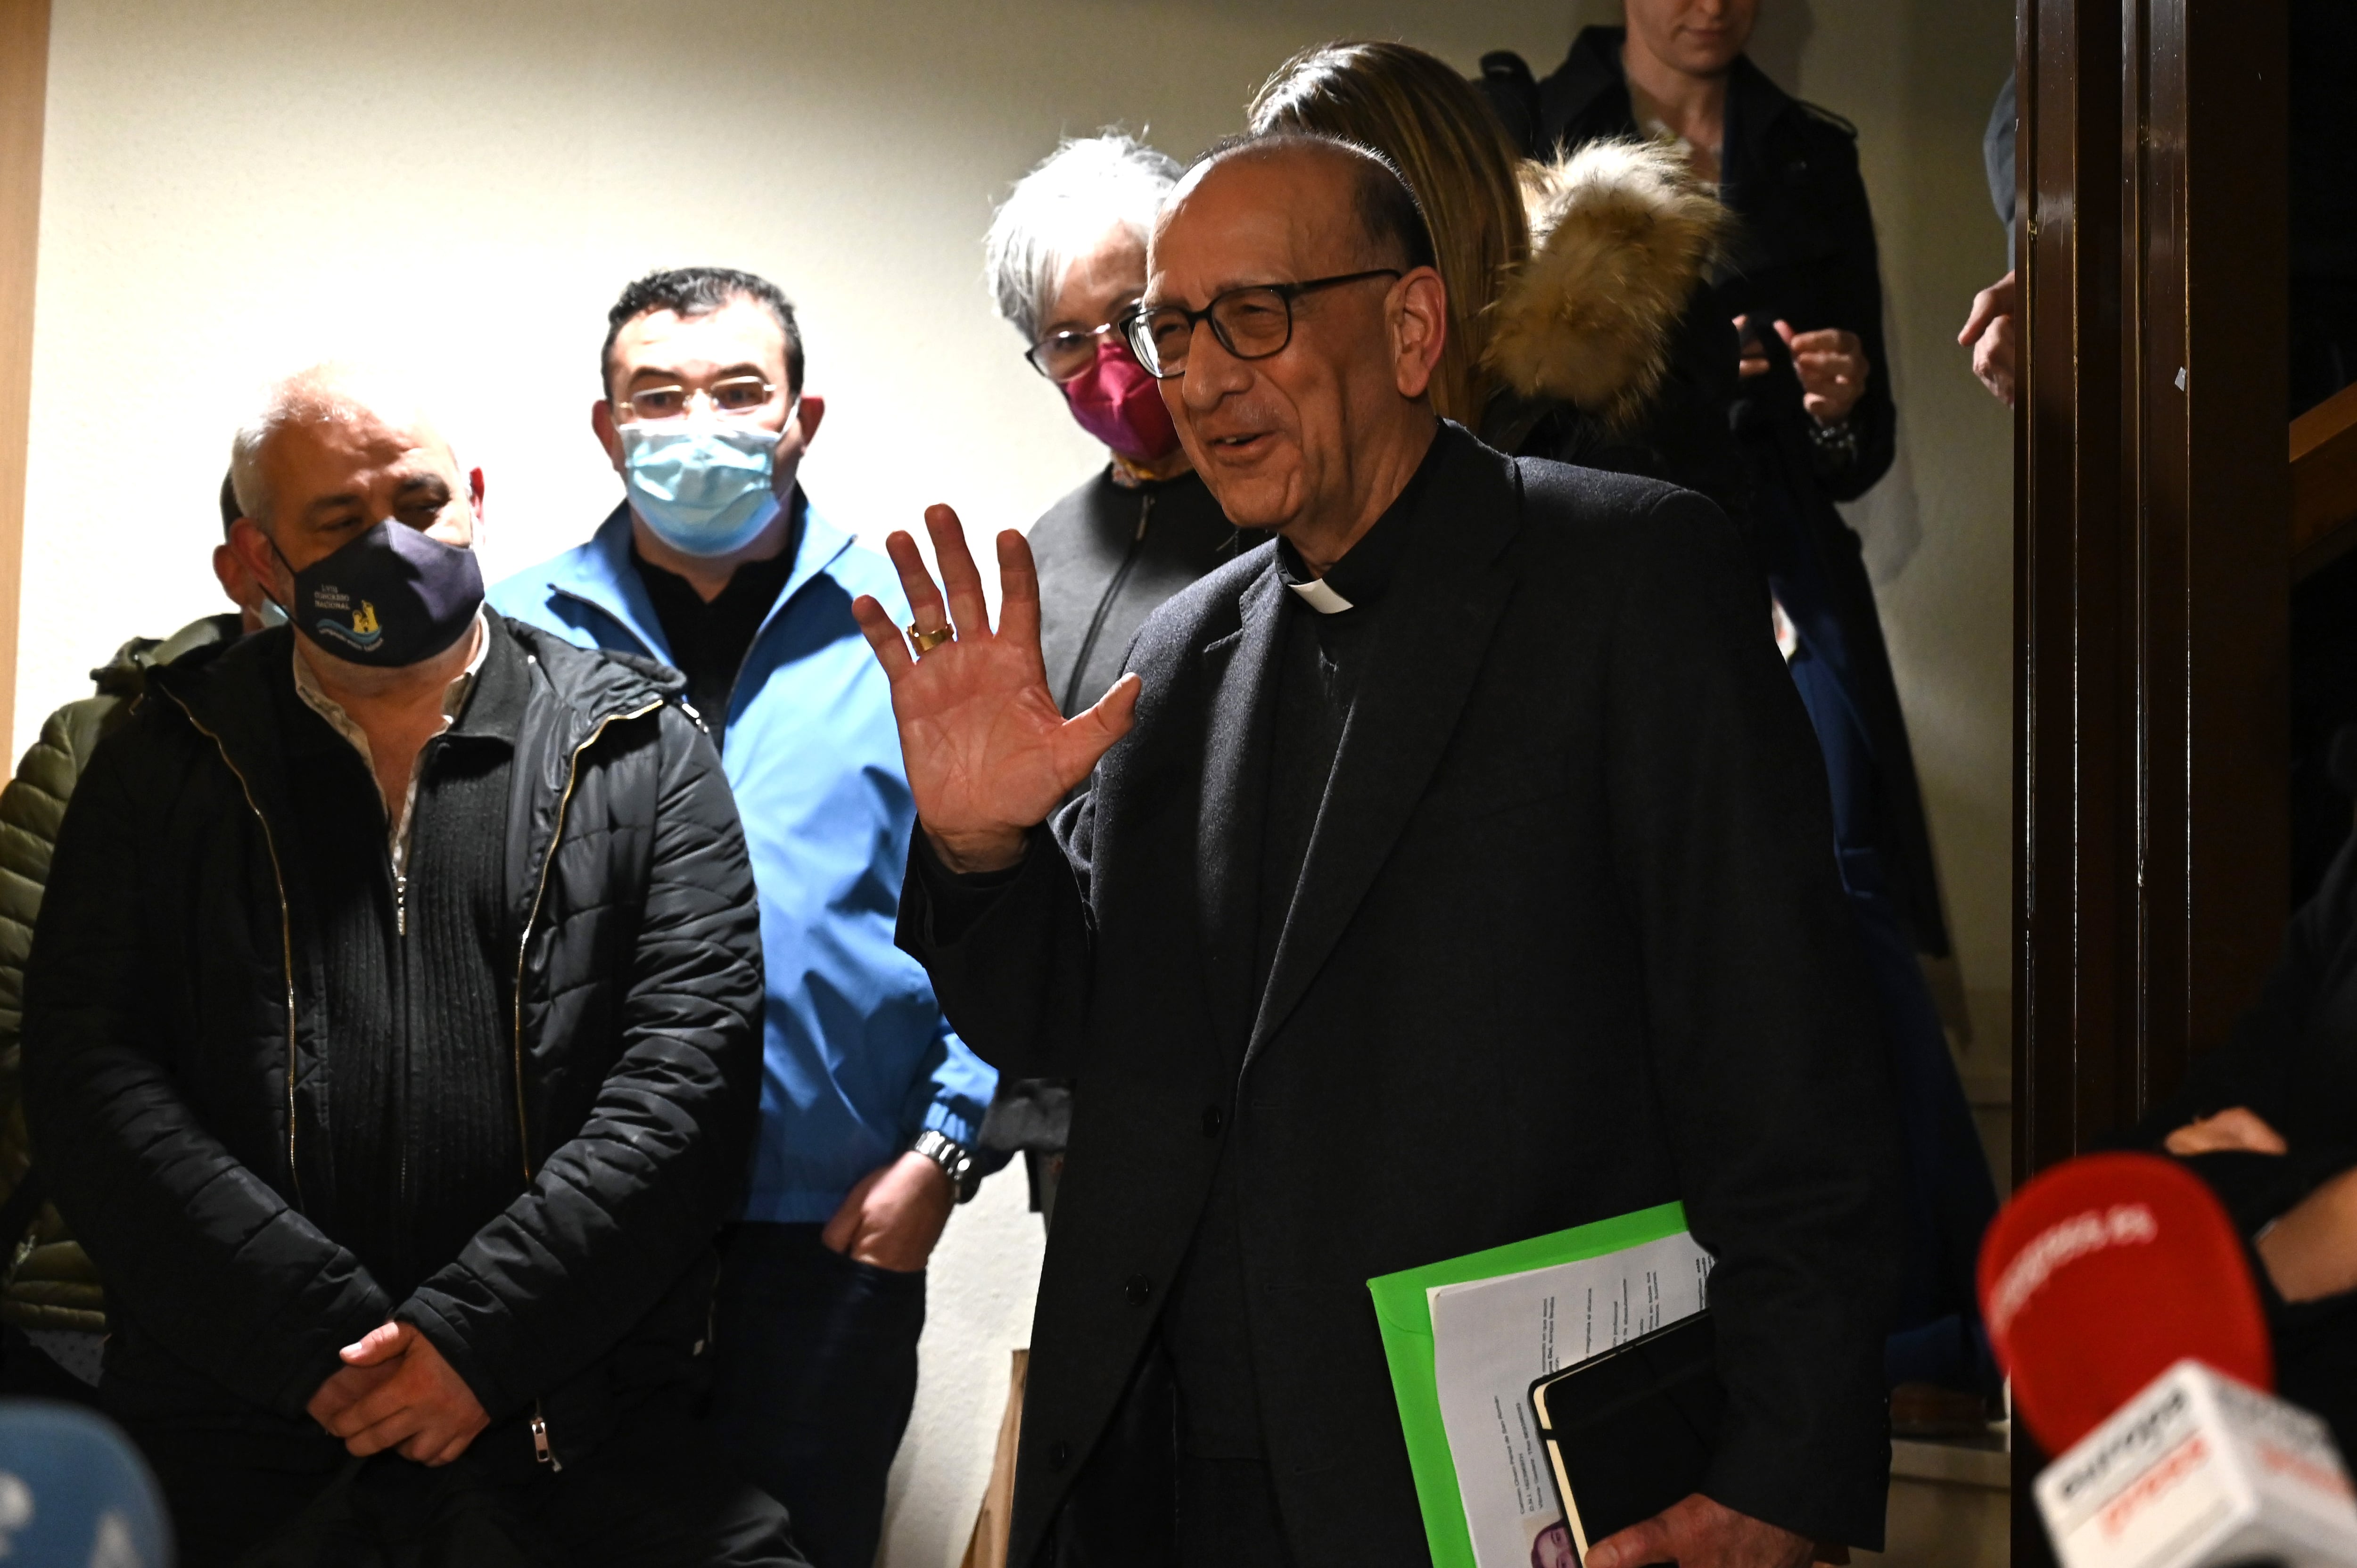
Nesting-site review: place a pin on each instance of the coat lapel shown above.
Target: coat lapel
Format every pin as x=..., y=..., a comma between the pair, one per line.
x=1439, y=617
x=1239, y=709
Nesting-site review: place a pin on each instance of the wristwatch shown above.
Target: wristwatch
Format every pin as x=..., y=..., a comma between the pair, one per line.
x=954, y=1158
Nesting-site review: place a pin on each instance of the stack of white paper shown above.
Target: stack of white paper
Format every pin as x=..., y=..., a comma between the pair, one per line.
x=1491, y=1339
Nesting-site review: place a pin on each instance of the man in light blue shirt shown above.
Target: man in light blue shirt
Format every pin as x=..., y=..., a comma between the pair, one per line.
x=715, y=563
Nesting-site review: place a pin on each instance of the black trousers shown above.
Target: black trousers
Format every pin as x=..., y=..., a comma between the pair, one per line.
x=656, y=1495
x=814, y=1371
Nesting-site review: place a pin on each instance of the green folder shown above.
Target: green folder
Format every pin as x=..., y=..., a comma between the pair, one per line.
x=1404, y=1312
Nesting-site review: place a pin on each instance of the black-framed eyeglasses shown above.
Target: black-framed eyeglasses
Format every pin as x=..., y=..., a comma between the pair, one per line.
x=1063, y=356
x=1252, y=322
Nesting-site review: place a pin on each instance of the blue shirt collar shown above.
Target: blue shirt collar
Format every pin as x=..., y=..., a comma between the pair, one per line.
x=599, y=574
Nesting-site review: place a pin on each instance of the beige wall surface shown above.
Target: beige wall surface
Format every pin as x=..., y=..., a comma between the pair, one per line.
x=235, y=186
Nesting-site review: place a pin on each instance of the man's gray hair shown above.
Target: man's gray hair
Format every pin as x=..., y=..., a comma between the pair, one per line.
x=333, y=391
x=1059, y=211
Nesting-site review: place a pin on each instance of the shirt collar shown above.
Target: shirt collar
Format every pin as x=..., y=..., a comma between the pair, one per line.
x=1364, y=573
x=454, y=696
x=453, y=702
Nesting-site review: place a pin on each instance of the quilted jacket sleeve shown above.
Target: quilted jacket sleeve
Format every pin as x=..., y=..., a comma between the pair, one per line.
x=30, y=809
x=202, y=1252
x=54, y=1286
x=617, y=1213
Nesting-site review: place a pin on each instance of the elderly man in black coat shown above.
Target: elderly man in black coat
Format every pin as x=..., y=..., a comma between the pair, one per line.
x=1454, y=871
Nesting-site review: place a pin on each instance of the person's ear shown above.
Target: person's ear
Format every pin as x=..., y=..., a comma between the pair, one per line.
x=808, y=412
x=253, y=550
x=601, y=420
x=475, y=493
x=1419, y=323
x=234, y=580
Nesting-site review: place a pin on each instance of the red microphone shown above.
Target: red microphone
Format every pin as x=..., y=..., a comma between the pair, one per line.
x=2101, y=1274
x=2118, y=1300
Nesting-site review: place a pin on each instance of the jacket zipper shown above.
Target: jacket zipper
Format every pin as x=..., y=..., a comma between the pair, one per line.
x=524, y=945
x=286, y=932
x=541, y=1451
x=1104, y=604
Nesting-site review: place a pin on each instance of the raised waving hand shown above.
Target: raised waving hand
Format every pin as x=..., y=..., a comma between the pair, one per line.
x=988, y=755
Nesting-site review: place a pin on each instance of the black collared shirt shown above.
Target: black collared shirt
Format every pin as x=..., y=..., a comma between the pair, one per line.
x=709, y=639
x=1364, y=573
x=1321, y=659
x=1322, y=656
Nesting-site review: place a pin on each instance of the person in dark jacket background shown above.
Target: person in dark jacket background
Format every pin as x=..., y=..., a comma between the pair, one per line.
x=390, y=1041
x=1065, y=259
x=1579, y=326
x=2269, y=1119
x=1818, y=425
x=53, y=1304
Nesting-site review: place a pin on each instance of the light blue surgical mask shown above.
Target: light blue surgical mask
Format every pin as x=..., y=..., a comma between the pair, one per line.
x=268, y=612
x=705, y=488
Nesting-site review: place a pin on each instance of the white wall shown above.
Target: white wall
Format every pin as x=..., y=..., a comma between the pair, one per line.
x=232, y=187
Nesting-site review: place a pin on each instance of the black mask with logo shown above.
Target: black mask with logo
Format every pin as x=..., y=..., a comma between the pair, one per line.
x=390, y=597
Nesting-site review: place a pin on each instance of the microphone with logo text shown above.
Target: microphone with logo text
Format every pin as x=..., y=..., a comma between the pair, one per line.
x=2118, y=1300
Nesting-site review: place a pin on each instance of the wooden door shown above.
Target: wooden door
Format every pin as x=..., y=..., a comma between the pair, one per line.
x=2151, y=556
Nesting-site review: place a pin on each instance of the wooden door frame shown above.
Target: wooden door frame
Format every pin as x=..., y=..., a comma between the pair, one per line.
x=2151, y=556
x=24, y=93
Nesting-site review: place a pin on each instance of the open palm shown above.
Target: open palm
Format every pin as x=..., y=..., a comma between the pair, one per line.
x=988, y=755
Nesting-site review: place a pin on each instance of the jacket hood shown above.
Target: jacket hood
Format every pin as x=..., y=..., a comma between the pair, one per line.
x=1621, y=235
x=126, y=675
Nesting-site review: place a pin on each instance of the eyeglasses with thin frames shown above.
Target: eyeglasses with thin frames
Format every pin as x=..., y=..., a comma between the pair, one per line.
x=1064, y=356
x=732, y=397
x=1251, y=323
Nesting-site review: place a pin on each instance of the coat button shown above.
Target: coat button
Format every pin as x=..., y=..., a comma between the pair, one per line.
x=1139, y=1290
x=1060, y=1454
x=1215, y=1119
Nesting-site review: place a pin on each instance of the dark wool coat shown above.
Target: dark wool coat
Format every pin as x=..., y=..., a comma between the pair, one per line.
x=176, y=1063
x=1569, y=942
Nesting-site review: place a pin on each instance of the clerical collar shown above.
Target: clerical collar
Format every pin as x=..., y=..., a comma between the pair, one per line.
x=1364, y=573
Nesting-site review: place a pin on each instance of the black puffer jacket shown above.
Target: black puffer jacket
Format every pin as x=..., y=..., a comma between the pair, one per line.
x=178, y=1068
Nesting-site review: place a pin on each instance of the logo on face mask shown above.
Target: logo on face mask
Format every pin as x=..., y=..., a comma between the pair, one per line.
x=430, y=590
x=363, y=634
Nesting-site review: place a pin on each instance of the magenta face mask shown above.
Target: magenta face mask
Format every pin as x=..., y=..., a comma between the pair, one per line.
x=1116, y=401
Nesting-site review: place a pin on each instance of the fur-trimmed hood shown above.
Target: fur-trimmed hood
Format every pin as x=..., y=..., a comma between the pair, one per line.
x=1622, y=234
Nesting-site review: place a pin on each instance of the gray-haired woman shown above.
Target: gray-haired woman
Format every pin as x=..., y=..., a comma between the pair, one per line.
x=1066, y=259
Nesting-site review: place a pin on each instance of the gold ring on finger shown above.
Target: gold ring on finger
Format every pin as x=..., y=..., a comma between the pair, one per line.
x=927, y=642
